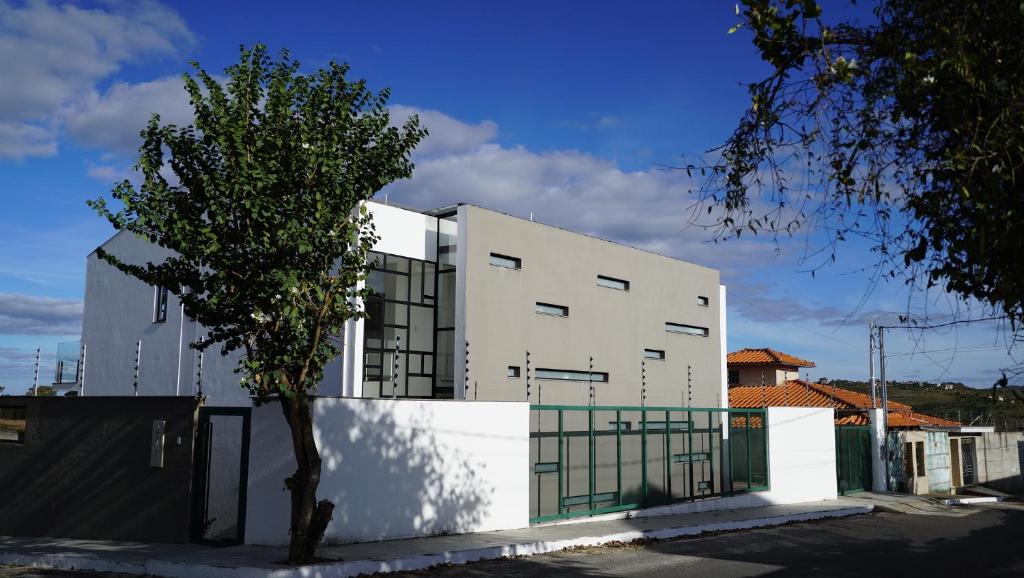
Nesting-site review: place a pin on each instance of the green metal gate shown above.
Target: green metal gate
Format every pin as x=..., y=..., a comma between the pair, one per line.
x=588, y=460
x=853, y=458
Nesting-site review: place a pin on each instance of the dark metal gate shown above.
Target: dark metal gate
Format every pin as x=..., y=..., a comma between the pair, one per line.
x=220, y=475
x=853, y=458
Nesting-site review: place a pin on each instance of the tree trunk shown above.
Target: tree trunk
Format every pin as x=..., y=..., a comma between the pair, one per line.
x=309, y=518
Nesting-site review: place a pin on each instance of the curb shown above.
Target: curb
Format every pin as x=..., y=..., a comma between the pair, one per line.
x=420, y=562
x=969, y=501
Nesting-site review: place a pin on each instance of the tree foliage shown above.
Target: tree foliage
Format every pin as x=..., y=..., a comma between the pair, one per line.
x=260, y=201
x=902, y=125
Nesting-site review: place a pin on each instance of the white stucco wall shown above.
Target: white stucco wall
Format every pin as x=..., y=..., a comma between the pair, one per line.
x=801, y=454
x=397, y=468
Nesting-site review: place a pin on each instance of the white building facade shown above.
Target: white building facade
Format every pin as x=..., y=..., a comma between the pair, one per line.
x=468, y=304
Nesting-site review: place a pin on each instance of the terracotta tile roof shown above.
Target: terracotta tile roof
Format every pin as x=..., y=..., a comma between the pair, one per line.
x=851, y=407
x=764, y=355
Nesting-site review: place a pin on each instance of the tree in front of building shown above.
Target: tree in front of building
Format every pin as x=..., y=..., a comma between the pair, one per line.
x=900, y=127
x=261, y=202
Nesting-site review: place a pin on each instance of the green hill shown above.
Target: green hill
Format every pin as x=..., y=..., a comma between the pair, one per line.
x=1004, y=410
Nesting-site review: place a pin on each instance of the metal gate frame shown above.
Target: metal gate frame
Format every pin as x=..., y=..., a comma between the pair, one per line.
x=853, y=458
x=201, y=474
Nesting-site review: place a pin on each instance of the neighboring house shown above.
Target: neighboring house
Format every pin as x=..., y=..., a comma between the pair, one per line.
x=763, y=366
x=929, y=454
x=469, y=304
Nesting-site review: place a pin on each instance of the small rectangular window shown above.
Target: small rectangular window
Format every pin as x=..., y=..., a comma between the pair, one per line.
x=513, y=371
x=612, y=283
x=160, y=304
x=570, y=375
x=687, y=329
x=623, y=425
x=12, y=424
x=654, y=354
x=506, y=261
x=702, y=301
x=549, y=309
x=734, y=377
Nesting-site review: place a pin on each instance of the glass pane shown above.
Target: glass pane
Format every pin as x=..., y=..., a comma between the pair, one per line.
x=374, y=326
x=612, y=283
x=396, y=313
x=548, y=309
x=420, y=386
x=396, y=286
x=445, y=358
x=371, y=388
x=375, y=260
x=687, y=329
x=393, y=336
x=428, y=281
x=505, y=261
x=400, y=264
x=446, y=300
x=375, y=281
x=416, y=282
x=421, y=328
x=428, y=364
x=415, y=363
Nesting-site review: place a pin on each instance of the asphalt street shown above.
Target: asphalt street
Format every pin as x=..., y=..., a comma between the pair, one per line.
x=977, y=541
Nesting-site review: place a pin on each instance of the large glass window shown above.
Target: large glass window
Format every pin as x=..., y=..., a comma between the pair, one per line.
x=399, y=330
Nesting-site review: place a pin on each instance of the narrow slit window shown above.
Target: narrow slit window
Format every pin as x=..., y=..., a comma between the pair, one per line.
x=550, y=309
x=612, y=283
x=160, y=304
x=513, y=371
x=687, y=329
x=654, y=353
x=702, y=301
x=506, y=262
x=571, y=375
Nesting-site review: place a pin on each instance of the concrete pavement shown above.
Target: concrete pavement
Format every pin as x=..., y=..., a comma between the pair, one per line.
x=189, y=560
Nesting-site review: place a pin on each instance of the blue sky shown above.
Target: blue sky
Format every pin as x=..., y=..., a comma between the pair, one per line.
x=566, y=110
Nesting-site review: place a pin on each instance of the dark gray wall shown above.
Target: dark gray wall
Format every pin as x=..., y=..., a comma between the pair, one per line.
x=84, y=469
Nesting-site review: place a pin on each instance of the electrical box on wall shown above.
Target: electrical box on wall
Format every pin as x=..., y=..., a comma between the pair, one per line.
x=156, y=445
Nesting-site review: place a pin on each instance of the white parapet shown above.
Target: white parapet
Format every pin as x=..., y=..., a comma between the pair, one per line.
x=397, y=468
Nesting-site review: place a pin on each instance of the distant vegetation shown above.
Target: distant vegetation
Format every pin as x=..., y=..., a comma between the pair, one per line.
x=1003, y=409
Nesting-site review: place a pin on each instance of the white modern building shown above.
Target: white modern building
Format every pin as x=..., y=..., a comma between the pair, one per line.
x=469, y=304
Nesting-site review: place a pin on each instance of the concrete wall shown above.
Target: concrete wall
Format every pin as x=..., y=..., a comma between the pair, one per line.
x=118, y=312
x=397, y=468
x=1000, y=461
x=773, y=374
x=84, y=469
x=614, y=327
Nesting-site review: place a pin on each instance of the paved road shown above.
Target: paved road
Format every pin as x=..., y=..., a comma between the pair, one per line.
x=987, y=541
x=970, y=542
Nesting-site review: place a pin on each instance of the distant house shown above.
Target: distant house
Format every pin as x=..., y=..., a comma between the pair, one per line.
x=779, y=374
x=929, y=454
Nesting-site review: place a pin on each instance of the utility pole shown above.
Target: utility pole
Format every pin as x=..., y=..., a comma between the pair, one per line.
x=871, y=364
x=885, y=401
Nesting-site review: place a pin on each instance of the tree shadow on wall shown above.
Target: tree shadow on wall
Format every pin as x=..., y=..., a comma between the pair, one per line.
x=392, y=469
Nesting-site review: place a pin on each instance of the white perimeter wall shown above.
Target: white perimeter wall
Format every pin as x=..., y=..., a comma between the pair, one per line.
x=397, y=468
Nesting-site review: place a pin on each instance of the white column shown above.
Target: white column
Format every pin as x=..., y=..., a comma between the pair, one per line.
x=877, y=422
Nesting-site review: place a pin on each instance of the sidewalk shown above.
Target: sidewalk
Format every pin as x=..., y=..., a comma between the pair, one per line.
x=191, y=560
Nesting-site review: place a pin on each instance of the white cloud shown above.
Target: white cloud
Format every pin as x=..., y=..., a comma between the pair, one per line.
x=20, y=140
x=30, y=315
x=112, y=120
x=572, y=189
x=447, y=135
x=51, y=55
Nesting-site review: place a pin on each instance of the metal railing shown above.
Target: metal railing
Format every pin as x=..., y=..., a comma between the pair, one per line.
x=589, y=460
